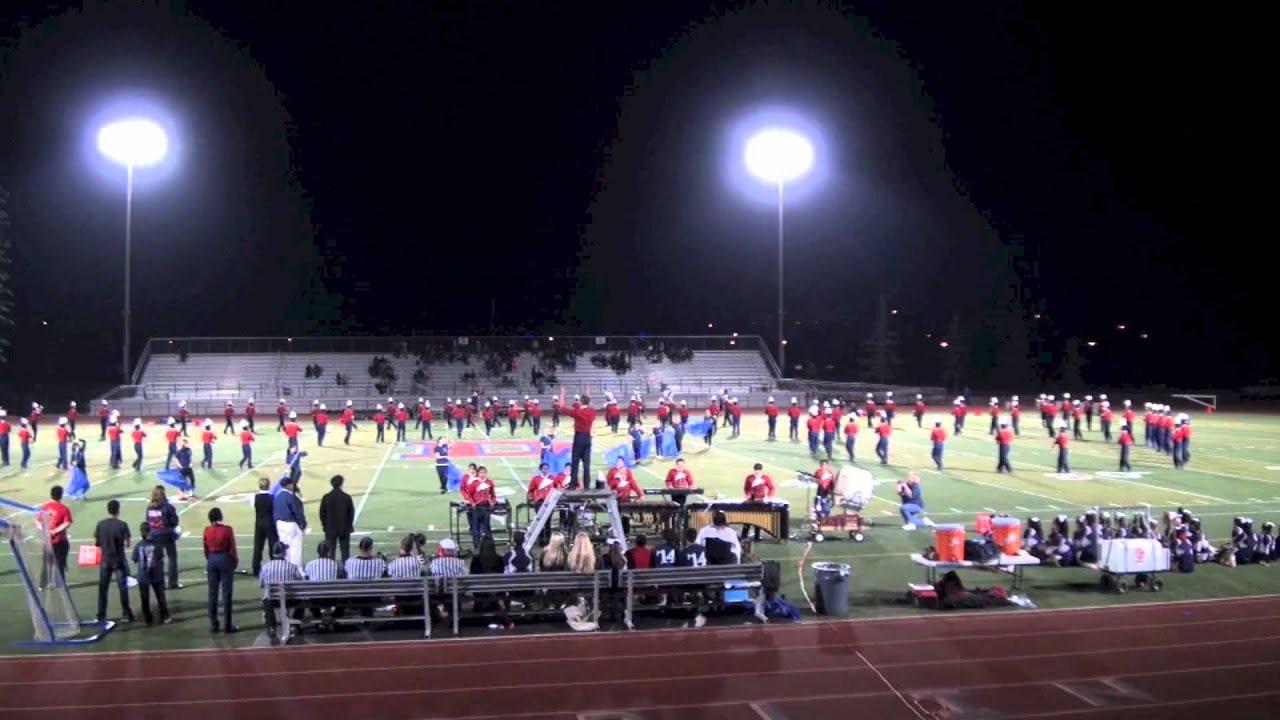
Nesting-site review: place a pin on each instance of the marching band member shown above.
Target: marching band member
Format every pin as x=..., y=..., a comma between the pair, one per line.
x=1186, y=438
x=884, y=429
x=1004, y=443
x=890, y=407
x=513, y=417
x=249, y=412
x=348, y=421
x=246, y=444
x=1127, y=414
x=958, y=411
x=828, y=431
x=206, y=440
x=282, y=413
x=488, y=416
x=183, y=456
x=459, y=417
x=138, y=436
x=229, y=412
x=72, y=415
x=24, y=441
x=664, y=412
x=814, y=424
x=315, y=415
x=448, y=414
x=321, y=419
x=442, y=462
x=402, y=421
x=851, y=435
x=1015, y=415
x=836, y=411
x=1088, y=412
x=1105, y=420
x=612, y=413
x=919, y=411
x=104, y=413
x=1077, y=414
x=871, y=408
x=735, y=417
x=939, y=439
x=1061, y=442
x=5, y=429
x=995, y=416
x=1126, y=440
x=535, y=412
x=171, y=436
x=583, y=417
x=63, y=434
x=824, y=490
x=623, y=484
x=758, y=487
x=291, y=429
x=482, y=501
x=113, y=443
x=36, y=410
x=679, y=477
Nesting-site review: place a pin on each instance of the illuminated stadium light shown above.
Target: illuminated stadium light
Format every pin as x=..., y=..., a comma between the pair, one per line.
x=134, y=143
x=1092, y=343
x=893, y=312
x=1120, y=327
x=778, y=156
x=1143, y=336
x=943, y=344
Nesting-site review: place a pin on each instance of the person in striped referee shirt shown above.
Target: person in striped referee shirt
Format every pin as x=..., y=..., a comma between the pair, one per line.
x=275, y=571
x=408, y=565
x=324, y=568
x=447, y=563
x=366, y=564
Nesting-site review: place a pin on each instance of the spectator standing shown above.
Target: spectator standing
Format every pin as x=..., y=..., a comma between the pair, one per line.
x=291, y=521
x=57, y=518
x=221, y=560
x=112, y=537
x=162, y=520
x=149, y=570
x=337, y=517
x=264, y=523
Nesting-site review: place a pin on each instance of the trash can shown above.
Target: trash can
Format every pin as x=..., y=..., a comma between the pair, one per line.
x=831, y=588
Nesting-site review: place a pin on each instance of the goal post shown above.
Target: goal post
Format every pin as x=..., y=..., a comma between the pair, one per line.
x=1205, y=401
x=54, y=620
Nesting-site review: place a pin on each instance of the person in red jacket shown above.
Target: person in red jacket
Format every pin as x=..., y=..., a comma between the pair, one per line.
x=771, y=417
x=459, y=418
x=584, y=416
x=829, y=427
x=104, y=415
x=36, y=410
x=282, y=413
x=995, y=416
x=229, y=412
x=1126, y=441
x=870, y=407
x=793, y=415
x=138, y=435
x=1015, y=415
x=5, y=429
x=171, y=436
x=758, y=487
x=348, y=421
x=919, y=411
x=402, y=421
x=72, y=415
x=1004, y=442
x=483, y=498
x=623, y=482
x=851, y=435
x=206, y=440
x=380, y=424
x=24, y=441
x=487, y=414
x=249, y=412
x=322, y=423
x=63, y=436
x=1061, y=442
x=824, y=489
x=664, y=413
x=679, y=477
x=535, y=414
x=884, y=430
x=246, y=444
x=425, y=417
x=939, y=439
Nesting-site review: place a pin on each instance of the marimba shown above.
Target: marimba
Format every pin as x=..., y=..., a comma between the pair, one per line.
x=772, y=518
x=460, y=523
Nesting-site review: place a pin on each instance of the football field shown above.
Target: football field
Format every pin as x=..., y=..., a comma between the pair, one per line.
x=1234, y=471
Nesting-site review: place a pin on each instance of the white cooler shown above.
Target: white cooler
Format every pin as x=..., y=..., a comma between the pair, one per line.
x=1133, y=555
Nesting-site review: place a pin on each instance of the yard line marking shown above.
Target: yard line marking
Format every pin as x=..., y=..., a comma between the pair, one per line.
x=1022, y=509
x=957, y=511
x=1254, y=500
x=218, y=489
x=368, y=490
x=886, y=512
x=513, y=474
x=990, y=510
x=1054, y=507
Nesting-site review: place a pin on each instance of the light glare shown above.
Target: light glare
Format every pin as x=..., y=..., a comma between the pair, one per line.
x=778, y=156
x=135, y=142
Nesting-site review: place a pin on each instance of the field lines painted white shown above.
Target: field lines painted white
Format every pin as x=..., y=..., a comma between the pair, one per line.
x=990, y=510
x=1022, y=509
x=516, y=477
x=958, y=511
x=219, y=489
x=1054, y=507
x=368, y=490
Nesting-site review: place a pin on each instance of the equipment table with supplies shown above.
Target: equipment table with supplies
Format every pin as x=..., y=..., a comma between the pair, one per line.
x=460, y=523
x=1010, y=564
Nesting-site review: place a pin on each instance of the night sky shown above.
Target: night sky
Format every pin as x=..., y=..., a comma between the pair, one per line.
x=448, y=168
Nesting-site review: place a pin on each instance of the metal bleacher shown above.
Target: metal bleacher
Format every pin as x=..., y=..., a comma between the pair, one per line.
x=208, y=372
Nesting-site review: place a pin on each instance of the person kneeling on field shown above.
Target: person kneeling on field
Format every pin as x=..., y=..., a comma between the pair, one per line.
x=912, y=503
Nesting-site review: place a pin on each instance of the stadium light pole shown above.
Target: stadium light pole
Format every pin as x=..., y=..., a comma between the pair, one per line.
x=133, y=143
x=778, y=156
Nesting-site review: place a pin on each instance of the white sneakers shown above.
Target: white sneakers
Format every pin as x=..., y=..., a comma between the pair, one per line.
x=928, y=522
x=909, y=527
x=912, y=526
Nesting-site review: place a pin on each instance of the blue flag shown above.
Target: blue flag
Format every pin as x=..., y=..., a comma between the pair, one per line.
x=79, y=484
x=454, y=475
x=558, y=461
x=646, y=448
x=667, y=444
x=625, y=452
x=700, y=429
x=174, y=478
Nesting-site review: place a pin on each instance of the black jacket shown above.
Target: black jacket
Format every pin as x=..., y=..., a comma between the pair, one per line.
x=337, y=513
x=262, y=510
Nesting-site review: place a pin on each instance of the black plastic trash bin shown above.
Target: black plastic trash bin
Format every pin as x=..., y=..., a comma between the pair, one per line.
x=831, y=588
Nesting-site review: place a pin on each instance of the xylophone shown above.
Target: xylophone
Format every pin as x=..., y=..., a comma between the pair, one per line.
x=773, y=518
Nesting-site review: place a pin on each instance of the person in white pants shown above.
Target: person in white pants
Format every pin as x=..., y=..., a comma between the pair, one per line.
x=291, y=522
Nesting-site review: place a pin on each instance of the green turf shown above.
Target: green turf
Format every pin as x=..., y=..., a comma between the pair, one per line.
x=1228, y=476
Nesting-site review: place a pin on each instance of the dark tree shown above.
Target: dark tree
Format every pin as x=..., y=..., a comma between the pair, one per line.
x=1071, y=371
x=956, y=357
x=6, y=293
x=880, y=361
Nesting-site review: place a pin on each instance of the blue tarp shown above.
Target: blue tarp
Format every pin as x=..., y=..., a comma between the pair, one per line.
x=700, y=428
x=667, y=446
x=174, y=478
x=79, y=484
x=454, y=476
x=558, y=461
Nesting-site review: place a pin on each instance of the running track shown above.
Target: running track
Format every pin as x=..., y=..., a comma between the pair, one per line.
x=1220, y=657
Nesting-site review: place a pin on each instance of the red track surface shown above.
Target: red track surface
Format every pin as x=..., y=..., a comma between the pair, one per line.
x=1125, y=662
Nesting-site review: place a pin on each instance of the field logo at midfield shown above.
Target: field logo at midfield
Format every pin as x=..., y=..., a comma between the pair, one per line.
x=1069, y=477
x=1108, y=475
x=426, y=450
